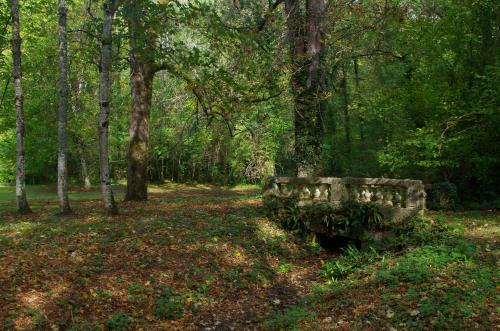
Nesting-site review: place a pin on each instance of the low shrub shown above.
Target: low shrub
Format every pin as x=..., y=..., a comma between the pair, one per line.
x=119, y=321
x=351, y=259
x=168, y=305
x=420, y=230
x=349, y=221
x=289, y=319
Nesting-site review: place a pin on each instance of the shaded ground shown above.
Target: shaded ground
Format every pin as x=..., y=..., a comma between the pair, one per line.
x=205, y=258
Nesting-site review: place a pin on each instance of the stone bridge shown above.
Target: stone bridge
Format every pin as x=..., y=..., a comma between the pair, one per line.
x=398, y=199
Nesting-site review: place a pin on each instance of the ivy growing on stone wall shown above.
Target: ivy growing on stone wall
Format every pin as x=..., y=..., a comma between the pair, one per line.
x=349, y=221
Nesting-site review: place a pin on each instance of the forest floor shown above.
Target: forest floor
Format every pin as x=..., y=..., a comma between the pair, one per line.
x=206, y=258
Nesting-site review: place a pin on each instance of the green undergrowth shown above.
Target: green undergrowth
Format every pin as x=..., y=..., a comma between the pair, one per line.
x=442, y=277
x=349, y=221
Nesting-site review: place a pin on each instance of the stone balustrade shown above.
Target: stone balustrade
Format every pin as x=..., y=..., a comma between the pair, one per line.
x=398, y=199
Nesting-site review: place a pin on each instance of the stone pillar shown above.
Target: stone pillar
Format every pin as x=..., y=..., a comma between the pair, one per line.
x=337, y=192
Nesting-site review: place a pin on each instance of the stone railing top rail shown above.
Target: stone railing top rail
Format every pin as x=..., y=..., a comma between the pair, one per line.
x=349, y=181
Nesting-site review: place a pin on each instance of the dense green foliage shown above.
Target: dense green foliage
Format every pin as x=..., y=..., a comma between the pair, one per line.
x=349, y=221
x=411, y=91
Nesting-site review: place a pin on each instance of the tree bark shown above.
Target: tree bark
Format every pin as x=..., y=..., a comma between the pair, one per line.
x=347, y=118
x=361, y=121
x=306, y=47
x=62, y=167
x=87, y=184
x=141, y=82
x=143, y=68
x=22, y=202
x=76, y=106
x=105, y=107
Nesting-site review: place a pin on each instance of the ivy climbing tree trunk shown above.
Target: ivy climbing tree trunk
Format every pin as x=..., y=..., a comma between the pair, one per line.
x=305, y=24
x=62, y=162
x=105, y=106
x=22, y=201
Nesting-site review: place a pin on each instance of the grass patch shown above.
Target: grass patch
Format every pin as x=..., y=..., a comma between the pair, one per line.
x=444, y=280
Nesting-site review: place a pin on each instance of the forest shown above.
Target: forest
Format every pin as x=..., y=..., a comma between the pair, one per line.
x=249, y=164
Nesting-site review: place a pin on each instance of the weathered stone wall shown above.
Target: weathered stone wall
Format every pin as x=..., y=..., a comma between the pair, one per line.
x=398, y=199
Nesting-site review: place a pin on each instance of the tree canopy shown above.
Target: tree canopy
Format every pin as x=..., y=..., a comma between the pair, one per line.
x=403, y=89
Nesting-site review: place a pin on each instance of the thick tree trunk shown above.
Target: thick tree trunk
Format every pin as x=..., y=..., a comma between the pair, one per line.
x=305, y=37
x=22, y=202
x=105, y=107
x=62, y=167
x=143, y=68
x=141, y=82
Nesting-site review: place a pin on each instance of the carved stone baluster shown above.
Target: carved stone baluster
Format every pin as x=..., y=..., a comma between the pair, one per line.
x=317, y=193
x=304, y=193
x=328, y=192
x=325, y=193
x=367, y=195
x=304, y=196
x=388, y=196
x=284, y=190
x=276, y=190
x=379, y=195
x=355, y=195
x=397, y=199
x=307, y=192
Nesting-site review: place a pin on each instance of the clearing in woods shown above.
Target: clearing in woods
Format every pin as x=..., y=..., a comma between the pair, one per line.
x=197, y=257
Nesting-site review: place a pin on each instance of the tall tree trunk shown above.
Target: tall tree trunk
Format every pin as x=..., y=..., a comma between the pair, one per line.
x=347, y=118
x=105, y=107
x=143, y=68
x=141, y=82
x=362, y=120
x=62, y=167
x=76, y=106
x=305, y=38
x=87, y=185
x=22, y=202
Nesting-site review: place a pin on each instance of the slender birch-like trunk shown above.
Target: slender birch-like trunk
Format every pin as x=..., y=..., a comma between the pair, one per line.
x=22, y=202
x=80, y=145
x=105, y=107
x=62, y=166
x=347, y=117
x=87, y=184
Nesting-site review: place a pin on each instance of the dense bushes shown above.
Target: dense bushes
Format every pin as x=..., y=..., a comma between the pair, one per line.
x=442, y=196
